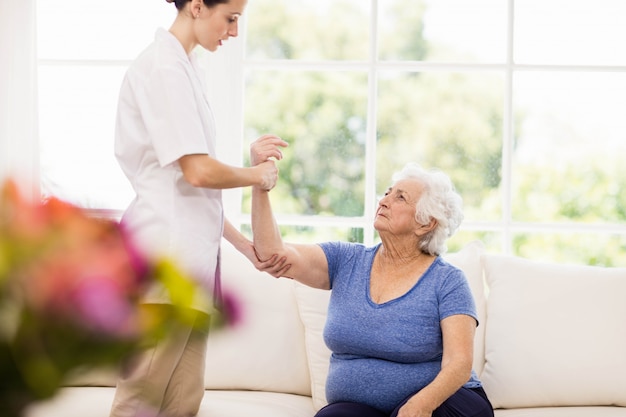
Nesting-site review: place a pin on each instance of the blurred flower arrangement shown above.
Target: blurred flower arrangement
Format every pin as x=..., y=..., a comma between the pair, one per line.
x=70, y=286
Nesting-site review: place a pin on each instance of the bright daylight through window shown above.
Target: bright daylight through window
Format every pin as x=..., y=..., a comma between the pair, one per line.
x=521, y=102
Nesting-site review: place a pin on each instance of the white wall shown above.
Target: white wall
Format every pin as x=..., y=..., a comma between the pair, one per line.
x=18, y=109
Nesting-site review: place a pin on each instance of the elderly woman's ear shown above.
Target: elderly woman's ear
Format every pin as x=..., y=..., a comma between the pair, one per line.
x=426, y=228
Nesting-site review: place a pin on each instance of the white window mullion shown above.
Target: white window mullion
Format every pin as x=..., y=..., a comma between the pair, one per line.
x=370, y=147
x=225, y=83
x=508, y=135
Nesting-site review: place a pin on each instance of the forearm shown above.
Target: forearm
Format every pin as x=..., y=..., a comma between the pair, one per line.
x=235, y=237
x=449, y=380
x=244, y=245
x=266, y=235
x=204, y=171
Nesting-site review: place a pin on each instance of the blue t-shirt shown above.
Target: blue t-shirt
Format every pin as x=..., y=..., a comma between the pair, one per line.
x=383, y=353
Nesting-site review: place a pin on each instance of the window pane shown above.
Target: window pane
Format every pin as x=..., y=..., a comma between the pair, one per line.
x=450, y=121
x=112, y=29
x=570, y=32
x=569, y=159
x=443, y=30
x=492, y=241
x=308, y=30
x=77, y=118
x=323, y=117
x=571, y=247
x=315, y=234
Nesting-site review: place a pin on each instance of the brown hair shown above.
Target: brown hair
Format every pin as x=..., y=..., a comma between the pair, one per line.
x=180, y=4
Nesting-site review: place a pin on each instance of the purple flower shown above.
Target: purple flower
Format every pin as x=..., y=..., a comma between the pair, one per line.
x=137, y=259
x=231, y=309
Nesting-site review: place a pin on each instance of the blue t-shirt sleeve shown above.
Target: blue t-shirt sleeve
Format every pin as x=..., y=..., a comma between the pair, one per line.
x=337, y=254
x=455, y=296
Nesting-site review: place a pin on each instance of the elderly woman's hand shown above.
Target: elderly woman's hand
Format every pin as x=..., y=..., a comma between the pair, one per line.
x=414, y=408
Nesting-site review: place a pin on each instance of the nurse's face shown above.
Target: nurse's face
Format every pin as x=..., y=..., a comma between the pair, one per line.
x=216, y=24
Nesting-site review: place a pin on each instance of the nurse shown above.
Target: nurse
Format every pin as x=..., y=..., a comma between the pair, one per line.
x=165, y=142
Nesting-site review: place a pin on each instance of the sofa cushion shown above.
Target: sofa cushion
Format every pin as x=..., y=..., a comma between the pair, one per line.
x=266, y=351
x=96, y=402
x=312, y=306
x=563, y=412
x=75, y=402
x=254, y=404
x=555, y=334
x=313, y=303
x=93, y=377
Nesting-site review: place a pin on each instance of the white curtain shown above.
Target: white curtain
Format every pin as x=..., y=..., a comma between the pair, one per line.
x=18, y=93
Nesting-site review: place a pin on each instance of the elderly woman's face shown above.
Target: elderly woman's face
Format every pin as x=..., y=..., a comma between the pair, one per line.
x=396, y=210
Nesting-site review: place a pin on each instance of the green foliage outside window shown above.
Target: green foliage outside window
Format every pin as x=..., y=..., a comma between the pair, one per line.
x=447, y=118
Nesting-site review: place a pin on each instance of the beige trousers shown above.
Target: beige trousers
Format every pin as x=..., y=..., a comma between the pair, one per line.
x=168, y=378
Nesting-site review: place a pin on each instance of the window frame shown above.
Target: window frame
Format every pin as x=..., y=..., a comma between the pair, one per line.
x=225, y=82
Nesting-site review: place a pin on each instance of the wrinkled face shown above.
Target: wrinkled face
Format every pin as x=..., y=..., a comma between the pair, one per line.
x=396, y=210
x=215, y=25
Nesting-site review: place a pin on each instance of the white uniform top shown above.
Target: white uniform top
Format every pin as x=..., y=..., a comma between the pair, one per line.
x=163, y=115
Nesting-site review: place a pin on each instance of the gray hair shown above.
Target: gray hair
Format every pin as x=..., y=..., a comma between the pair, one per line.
x=440, y=202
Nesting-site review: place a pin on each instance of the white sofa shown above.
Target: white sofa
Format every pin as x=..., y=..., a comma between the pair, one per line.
x=551, y=343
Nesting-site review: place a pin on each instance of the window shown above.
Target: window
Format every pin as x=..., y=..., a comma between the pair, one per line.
x=83, y=52
x=521, y=102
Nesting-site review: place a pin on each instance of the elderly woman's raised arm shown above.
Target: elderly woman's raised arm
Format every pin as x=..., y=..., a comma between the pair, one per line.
x=306, y=263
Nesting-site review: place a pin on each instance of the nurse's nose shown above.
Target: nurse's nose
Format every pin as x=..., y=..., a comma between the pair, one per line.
x=233, y=29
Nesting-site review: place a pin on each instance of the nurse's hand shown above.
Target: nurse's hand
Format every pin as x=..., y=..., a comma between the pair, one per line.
x=268, y=174
x=266, y=147
x=275, y=266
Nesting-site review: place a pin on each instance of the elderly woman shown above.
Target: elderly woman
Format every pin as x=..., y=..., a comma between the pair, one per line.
x=401, y=320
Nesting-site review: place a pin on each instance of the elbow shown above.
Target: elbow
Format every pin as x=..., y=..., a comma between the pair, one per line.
x=193, y=175
x=265, y=252
x=467, y=373
x=267, y=248
x=461, y=368
x=266, y=243
x=465, y=370
x=192, y=178
x=193, y=169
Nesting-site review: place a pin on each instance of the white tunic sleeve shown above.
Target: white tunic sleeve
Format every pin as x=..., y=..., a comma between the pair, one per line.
x=170, y=107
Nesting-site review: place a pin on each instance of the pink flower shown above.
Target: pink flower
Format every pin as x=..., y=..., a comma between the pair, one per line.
x=70, y=287
x=102, y=307
x=83, y=252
